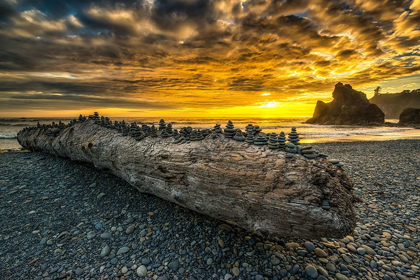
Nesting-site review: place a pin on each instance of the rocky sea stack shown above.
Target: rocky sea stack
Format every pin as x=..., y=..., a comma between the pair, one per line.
x=349, y=107
x=251, y=186
x=410, y=116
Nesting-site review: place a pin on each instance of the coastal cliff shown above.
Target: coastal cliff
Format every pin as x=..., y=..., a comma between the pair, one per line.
x=245, y=185
x=394, y=104
x=349, y=107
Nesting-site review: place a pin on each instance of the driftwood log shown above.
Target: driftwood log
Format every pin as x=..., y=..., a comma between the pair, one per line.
x=245, y=185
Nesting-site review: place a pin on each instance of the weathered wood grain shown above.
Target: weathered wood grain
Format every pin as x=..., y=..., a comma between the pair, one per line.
x=246, y=185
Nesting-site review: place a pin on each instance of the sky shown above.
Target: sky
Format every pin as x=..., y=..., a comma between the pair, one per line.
x=196, y=58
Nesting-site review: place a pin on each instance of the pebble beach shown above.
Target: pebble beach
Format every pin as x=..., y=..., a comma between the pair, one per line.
x=66, y=220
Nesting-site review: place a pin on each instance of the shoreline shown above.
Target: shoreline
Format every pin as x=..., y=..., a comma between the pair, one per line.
x=81, y=222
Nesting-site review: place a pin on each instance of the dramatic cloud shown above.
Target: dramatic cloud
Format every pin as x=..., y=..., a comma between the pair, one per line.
x=176, y=57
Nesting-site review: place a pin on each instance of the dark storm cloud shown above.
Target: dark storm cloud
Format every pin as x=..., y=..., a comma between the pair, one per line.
x=196, y=51
x=7, y=10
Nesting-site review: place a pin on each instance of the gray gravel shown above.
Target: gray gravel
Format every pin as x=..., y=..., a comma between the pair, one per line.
x=66, y=220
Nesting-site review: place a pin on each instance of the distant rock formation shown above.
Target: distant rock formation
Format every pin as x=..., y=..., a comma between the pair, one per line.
x=393, y=104
x=349, y=107
x=410, y=116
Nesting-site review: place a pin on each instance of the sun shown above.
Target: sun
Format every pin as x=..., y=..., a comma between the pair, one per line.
x=270, y=104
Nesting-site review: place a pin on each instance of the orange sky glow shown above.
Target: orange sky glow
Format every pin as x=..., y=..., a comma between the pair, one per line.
x=196, y=58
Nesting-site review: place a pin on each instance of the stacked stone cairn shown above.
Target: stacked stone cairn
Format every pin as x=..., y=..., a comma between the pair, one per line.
x=145, y=129
x=294, y=137
x=206, y=132
x=137, y=134
x=217, y=128
x=96, y=118
x=162, y=124
x=239, y=136
x=282, y=140
x=153, y=132
x=108, y=123
x=192, y=136
x=229, y=130
x=164, y=133
x=273, y=142
x=252, y=135
x=124, y=129
x=175, y=133
x=198, y=136
x=307, y=152
x=326, y=204
x=169, y=128
x=291, y=149
x=257, y=129
x=132, y=128
x=249, y=129
x=261, y=139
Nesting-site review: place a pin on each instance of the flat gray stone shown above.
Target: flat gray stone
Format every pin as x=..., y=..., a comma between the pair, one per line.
x=142, y=271
x=105, y=235
x=105, y=251
x=311, y=271
x=123, y=250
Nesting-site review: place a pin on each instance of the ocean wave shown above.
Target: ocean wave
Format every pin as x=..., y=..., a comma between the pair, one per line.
x=8, y=136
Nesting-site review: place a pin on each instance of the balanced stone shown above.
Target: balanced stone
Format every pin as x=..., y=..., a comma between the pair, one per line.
x=125, y=131
x=249, y=134
x=192, y=135
x=273, y=142
x=326, y=204
x=96, y=118
x=145, y=129
x=282, y=140
x=206, y=132
x=162, y=124
x=169, y=128
x=165, y=134
x=239, y=136
x=249, y=128
x=293, y=136
x=199, y=136
x=261, y=139
x=175, y=134
x=291, y=148
x=229, y=130
x=308, y=152
x=257, y=129
x=153, y=132
x=132, y=129
x=217, y=128
x=138, y=135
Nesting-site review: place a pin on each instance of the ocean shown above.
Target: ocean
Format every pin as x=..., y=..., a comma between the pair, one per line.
x=9, y=127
